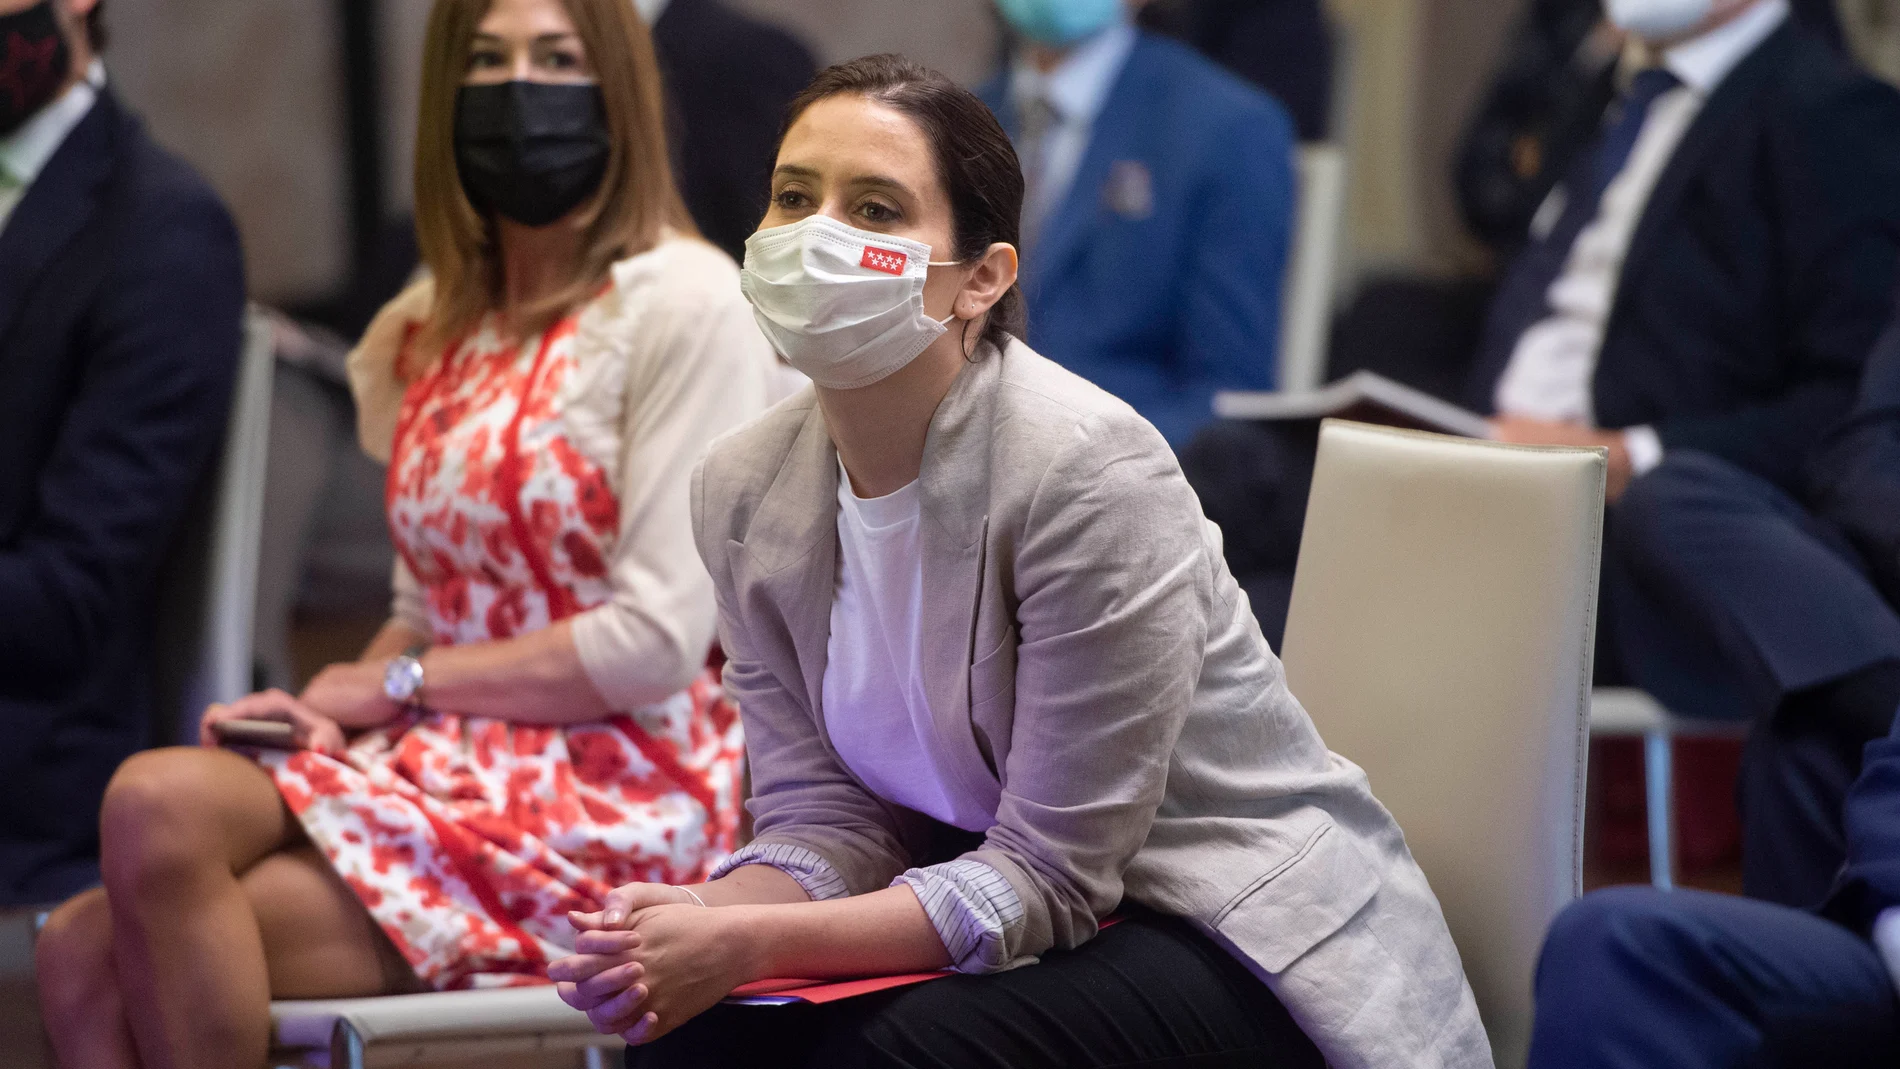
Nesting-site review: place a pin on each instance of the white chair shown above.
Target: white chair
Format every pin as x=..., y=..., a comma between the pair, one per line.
x=1622, y=712
x=1440, y=635
x=434, y=1029
x=209, y=586
x=1306, y=313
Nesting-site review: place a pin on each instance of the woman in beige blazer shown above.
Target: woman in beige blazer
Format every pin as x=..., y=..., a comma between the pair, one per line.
x=998, y=687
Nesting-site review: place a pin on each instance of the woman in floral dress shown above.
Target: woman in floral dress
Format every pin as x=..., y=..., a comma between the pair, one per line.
x=537, y=722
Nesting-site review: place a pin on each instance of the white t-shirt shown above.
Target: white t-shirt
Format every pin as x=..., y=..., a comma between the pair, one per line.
x=875, y=709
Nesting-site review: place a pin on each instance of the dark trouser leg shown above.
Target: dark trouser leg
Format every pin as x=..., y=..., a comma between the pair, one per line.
x=1790, y=792
x=1150, y=991
x=1732, y=601
x=1795, y=774
x=1634, y=978
x=1732, y=597
x=1252, y=479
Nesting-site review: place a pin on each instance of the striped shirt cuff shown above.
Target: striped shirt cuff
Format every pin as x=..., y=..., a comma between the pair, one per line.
x=812, y=872
x=971, y=905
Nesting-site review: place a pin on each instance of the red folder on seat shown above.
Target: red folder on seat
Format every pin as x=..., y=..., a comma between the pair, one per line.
x=819, y=992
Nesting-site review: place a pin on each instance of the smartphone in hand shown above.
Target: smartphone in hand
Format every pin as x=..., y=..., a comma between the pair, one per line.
x=263, y=734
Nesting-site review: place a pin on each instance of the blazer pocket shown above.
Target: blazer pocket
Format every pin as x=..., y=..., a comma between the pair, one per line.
x=993, y=701
x=994, y=672
x=1290, y=908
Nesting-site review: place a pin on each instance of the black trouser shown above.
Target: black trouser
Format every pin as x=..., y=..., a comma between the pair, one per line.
x=1151, y=991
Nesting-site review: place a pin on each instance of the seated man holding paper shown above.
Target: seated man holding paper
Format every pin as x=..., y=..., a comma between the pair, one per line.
x=1711, y=276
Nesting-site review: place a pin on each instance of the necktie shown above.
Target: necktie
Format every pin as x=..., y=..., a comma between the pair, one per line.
x=1039, y=120
x=10, y=192
x=1521, y=299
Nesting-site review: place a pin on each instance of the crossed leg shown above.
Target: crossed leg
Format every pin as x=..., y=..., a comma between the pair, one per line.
x=214, y=902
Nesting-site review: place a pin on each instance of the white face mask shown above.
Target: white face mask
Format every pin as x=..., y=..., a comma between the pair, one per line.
x=845, y=306
x=1657, y=20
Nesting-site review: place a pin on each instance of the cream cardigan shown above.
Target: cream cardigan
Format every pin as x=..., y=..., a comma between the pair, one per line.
x=668, y=359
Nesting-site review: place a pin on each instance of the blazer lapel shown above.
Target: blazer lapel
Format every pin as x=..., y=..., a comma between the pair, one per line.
x=954, y=488
x=788, y=564
x=1731, y=99
x=1111, y=139
x=59, y=203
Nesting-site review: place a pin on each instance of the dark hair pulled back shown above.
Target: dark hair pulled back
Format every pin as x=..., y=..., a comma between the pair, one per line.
x=975, y=161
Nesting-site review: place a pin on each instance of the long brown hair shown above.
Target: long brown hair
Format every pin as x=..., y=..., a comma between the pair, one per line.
x=975, y=161
x=637, y=197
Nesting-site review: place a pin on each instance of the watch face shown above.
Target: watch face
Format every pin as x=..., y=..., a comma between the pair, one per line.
x=402, y=678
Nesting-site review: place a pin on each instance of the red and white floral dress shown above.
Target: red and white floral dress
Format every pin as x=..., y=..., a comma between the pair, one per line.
x=469, y=838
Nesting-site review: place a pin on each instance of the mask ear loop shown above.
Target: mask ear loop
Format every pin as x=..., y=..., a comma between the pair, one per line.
x=963, y=340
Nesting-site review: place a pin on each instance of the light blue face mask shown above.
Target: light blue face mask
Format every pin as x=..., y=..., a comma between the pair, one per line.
x=1059, y=23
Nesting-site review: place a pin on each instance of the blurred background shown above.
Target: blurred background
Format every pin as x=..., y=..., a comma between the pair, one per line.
x=300, y=111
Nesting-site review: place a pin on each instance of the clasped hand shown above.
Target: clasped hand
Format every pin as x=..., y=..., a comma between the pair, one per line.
x=649, y=961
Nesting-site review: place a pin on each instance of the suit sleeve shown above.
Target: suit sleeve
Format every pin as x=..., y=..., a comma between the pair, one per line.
x=160, y=354
x=1854, y=480
x=1870, y=881
x=1837, y=183
x=1116, y=588
x=1236, y=258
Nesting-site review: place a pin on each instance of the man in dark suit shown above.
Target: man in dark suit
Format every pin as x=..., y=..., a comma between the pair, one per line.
x=1710, y=277
x=1780, y=606
x=121, y=297
x=1157, y=213
x=1634, y=978
x=728, y=79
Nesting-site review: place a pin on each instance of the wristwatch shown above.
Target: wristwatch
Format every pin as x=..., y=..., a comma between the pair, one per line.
x=402, y=679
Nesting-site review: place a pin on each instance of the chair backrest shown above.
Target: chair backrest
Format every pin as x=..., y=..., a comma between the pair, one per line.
x=1306, y=312
x=208, y=592
x=1440, y=636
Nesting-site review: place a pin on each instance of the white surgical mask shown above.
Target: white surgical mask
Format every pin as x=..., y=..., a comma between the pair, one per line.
x=1657, y=20
x=845, y=306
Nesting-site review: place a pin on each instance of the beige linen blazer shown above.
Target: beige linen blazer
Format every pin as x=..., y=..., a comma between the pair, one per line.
x=1092, y=665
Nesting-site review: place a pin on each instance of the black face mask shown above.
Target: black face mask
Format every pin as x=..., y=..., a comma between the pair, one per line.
x=34, y=63
x=530, y=151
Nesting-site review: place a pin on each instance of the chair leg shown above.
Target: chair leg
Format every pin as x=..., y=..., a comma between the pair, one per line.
x=346, y=1047
x=1660, y=805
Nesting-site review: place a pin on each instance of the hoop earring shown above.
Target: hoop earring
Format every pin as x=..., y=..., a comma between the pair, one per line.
x=963, y=343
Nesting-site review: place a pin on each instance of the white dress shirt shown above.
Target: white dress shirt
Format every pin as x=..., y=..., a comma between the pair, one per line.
x=1550, y=372
x=1074, y=91
x=24, y=152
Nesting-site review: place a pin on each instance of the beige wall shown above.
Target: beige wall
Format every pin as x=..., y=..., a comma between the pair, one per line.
x=1414, y=70
x=957, y=37
x=249, y=91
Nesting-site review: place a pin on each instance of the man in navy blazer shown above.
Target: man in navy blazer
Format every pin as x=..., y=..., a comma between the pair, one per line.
x=1782, y=607
x=1710, y=277
x=1636, y=978
x=121, y=296
x=1159, y=205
